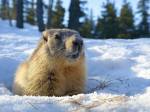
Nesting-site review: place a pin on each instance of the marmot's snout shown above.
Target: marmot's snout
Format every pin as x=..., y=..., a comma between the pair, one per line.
x=77, y=47
x=74, y=47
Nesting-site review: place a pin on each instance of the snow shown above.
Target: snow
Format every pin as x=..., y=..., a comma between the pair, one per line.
x=118, y=74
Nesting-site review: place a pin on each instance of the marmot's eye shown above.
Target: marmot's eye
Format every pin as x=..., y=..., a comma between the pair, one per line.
x=57, y=36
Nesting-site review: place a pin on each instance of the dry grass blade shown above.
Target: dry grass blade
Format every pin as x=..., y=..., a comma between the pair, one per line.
x=113, y=101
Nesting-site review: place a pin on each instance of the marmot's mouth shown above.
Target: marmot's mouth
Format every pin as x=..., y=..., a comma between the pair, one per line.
x=77, y=46
x=73, y=55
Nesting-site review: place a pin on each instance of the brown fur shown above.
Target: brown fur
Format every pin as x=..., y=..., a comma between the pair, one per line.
x=46, y=75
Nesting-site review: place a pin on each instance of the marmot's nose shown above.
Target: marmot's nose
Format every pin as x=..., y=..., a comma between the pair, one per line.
x=78, y=42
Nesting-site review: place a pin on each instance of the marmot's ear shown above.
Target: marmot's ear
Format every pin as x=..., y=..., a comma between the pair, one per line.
x=45, y=35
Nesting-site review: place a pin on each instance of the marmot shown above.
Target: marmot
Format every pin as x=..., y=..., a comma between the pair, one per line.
x=56, y=67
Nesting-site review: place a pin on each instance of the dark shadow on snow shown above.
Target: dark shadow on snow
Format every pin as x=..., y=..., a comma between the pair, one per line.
x=7, y=70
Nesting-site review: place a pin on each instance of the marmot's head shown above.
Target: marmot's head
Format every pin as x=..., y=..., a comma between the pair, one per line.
x=64, y=42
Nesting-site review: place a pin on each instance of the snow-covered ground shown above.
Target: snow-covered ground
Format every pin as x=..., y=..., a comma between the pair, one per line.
x=118, y=75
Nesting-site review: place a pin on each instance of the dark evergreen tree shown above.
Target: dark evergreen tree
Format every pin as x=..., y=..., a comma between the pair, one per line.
x=13, y=14
x=0, y=9
x=50, y=14
x=75, y=13
x=4, y=9
x=126, y=22
x=87, y=27
x=58, y=15
x=99, y=28
x=108, y=24
x=9, y=13
x=30, y=18
x=39, y=14
x=144, y=27
x=19, y=14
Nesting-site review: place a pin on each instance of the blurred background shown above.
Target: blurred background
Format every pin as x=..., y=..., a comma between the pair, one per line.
x=99, y=19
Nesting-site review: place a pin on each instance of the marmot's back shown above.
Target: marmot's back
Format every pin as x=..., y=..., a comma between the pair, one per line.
x=56, y=67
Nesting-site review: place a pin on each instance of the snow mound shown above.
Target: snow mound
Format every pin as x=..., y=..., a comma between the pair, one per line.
x=118, y=75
